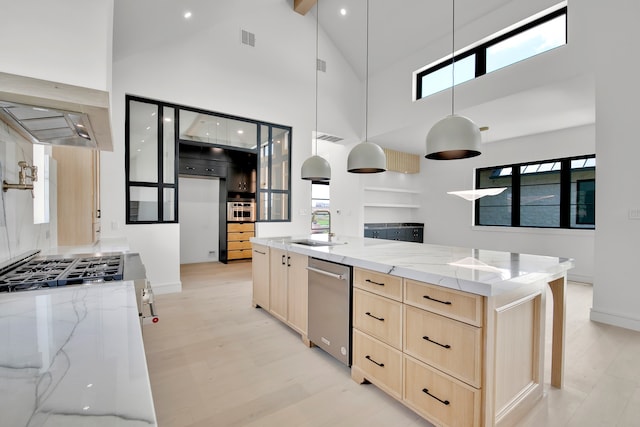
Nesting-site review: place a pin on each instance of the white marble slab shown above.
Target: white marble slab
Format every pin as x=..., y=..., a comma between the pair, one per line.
x=478, y=271
x=73, y=356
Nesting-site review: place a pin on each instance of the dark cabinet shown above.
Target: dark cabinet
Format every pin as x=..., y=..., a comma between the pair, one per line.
x=241, y=179
x=406, y=232
x=202, y=167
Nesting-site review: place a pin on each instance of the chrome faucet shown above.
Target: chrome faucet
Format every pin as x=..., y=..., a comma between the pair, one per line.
x=321, y=212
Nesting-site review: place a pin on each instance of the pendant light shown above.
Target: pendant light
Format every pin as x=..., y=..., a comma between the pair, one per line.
x=455, y=136
x=366, y=157
x=316, y=168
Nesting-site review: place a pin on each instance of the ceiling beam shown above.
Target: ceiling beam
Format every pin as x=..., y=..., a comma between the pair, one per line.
x=303, y=6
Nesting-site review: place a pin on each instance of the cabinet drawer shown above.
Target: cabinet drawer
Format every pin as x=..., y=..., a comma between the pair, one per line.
x=239, y=254
x=378, y=283
x=458, y=305
x=243, y=235
x=244, y=244
x=441, y=399
x=234, y=227
x=380, y=363
x=451, y=346
x=378, y=316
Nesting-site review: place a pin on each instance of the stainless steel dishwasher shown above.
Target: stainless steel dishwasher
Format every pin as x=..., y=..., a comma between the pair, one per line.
x=330, y=308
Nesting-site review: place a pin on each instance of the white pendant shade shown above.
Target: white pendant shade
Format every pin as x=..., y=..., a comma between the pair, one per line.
x=454, y=137
x=366, y=157
x=316, y=168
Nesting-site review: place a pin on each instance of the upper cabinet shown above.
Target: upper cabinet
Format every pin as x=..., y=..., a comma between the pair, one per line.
x=242, y=174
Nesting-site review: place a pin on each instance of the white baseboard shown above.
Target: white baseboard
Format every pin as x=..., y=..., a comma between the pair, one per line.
x=580, y=278
x=615, y=320
x=166, y=288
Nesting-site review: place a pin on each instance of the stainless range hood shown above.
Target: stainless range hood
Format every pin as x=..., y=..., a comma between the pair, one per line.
x=46, y=112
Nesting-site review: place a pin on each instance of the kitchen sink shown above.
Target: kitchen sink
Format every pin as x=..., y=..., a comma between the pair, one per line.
x=312, y=242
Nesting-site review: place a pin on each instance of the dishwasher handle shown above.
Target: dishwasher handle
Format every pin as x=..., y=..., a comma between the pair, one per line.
x=326, y=273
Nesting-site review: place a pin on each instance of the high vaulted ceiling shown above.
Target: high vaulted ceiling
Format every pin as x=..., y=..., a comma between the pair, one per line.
x=396, y=30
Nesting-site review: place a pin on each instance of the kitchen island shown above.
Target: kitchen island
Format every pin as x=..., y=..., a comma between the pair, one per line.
x=73, y=356
x=486, y=309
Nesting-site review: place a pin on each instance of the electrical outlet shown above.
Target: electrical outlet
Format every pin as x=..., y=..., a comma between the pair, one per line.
x=212, y=252
x=634, y=213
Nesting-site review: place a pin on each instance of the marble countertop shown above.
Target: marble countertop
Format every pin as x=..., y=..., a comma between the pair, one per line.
x=73, y=356
x=479, y=271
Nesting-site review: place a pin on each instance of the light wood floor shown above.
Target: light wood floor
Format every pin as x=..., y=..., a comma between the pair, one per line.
x=214, y=360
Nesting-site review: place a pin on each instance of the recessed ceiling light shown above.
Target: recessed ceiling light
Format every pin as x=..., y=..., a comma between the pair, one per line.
x=240, y=132
x=343, y=11
x=187, y=15
x=167, y=119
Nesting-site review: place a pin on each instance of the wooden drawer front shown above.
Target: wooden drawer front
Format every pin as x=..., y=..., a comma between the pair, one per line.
x=241, y=254
x=451, y=346
x=234, y=227
x=378, y=283
x=244, y=235
x=243, y=244
x=449, y=402
x=458, y=305
x=381, y=364
x=378, y=316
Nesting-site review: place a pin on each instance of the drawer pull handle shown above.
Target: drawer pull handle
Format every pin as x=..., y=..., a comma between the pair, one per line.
x=436, y=342
x=375, y=283
x=261, y=253
x=444, y=402
x=371, y=360
x=437, y=300
x=377, y=318
x=189, y=168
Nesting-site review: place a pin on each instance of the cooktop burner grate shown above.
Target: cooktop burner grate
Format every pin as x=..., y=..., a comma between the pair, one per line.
x=50, y=272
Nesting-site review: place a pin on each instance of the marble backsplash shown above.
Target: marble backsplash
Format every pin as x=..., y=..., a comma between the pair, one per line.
x=18, y=233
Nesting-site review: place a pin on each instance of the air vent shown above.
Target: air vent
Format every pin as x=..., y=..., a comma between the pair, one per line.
x=327, y=137
x=321, y=65
x=248, y=38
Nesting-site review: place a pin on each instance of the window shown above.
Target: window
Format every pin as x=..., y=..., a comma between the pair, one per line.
x=551, y=194
x=150, y=156
x=527, y=40
x=320, y=218
x=153, y=132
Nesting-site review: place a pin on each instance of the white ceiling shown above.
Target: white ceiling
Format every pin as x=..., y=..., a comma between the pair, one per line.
x=397, y=30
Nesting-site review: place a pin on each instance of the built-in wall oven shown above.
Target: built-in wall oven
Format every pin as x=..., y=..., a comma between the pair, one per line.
x=241, y=211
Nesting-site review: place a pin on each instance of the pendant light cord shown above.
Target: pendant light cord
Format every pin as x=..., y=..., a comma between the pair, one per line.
x=366, y=93
x=453, y=51
x=317, y=36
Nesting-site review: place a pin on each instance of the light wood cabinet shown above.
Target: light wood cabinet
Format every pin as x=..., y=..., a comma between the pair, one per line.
x=260, y=275
x=441, y=399
x=377, y=330
x=238, y=240
x=78, y=195
x=460, y=359
x=451, y=346
x=280, y=286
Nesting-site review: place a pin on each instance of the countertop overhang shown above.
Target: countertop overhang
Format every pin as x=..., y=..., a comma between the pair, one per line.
x=478, y=271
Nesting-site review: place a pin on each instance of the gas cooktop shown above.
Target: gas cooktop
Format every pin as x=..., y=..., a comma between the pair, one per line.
x=42, y=272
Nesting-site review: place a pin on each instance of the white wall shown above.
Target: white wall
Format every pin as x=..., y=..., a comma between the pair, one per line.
x=215, y=72
x=67, y=41
x=199, y=209
x=616, y=296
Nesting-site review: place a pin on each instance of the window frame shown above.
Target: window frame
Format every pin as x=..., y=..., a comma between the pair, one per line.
x=565, y=193
x=481, y=50
x=160, y=185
